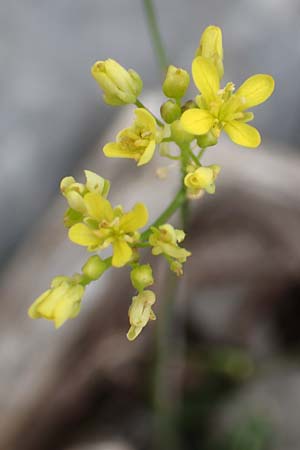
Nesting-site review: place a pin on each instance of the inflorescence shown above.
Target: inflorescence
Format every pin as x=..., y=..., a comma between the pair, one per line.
x=193, y=125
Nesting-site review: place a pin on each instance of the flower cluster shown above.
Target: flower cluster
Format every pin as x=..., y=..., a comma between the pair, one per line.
x=184, y=131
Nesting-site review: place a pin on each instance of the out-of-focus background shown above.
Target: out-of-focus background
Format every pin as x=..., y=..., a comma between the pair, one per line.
x=227, y=375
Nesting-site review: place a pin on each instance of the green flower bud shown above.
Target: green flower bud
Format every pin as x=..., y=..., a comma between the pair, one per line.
x=207, y=140
x=190, y=104
x=176, y=82
x=94, y=267
x=141, y=277
x=170, y=111
x=179, y=135
x=120, y=86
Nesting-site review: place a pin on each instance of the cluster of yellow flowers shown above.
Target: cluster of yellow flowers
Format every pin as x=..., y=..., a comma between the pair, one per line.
x=91, y=219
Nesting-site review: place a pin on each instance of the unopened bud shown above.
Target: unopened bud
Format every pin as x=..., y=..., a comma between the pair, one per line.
x=94, y=267
x=207, y=140
x=179, y=135
x=141, y=277
x=190, y=104
x=176, y=82
x=170, y=111
x=120, y=86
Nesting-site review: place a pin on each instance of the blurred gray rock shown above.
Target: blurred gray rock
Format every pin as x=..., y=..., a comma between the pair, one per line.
x=107, y=445
x=274, y=397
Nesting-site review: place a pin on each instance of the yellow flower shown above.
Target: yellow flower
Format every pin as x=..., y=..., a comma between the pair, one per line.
x=211, y=47
x=137, y=142
x=221, y=109
x=59, y=303
x=106, y=226
x=140, y=312
x=164, y=240
x=201, y=178
x=120, y=86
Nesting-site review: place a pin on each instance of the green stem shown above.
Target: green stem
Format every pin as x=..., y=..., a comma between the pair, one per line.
x=176, y=203
x=184, y=209
x=194, y=157
x=155, y=34
x=139, y=104
x=166, y=400
x=201, y=153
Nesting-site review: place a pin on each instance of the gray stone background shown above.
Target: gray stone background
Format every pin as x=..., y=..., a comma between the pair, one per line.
x=51, y=111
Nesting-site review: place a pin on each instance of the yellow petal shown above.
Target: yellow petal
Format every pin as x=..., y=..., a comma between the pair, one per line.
x=134, y=219
x=148, y=153
x=206, y=78
x=68, y=308
x=242, y=134
x=75, y=201
x=133, y=332
x=122, y=253
x=115, y=150
x=98, y=207
x=94, y=182
x=62, y=313
x=255, y=90
x=33, y=310
x=82, y=235
x=145, y=120
x=175, y=252
x=47, y=307
x=210, y=46
x=197, y=121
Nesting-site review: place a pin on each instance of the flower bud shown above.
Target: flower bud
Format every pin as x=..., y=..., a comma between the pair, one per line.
x=120, y=86
x=210, y=47
x=179, y=135
x=207, y=140
x=141, y=277
x=176, y=82
x=201, y=178
x=74, y=192
x=140, y=312
x=59, y=303
x=170, y=111
x=190, y=104
x=94, y=267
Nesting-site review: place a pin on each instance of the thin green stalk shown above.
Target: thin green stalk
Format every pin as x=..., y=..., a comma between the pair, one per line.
x=194, y=157
x=139, y=104
x=166, y=435
x=155, y=34
x=201, y=153
x=184, y=209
